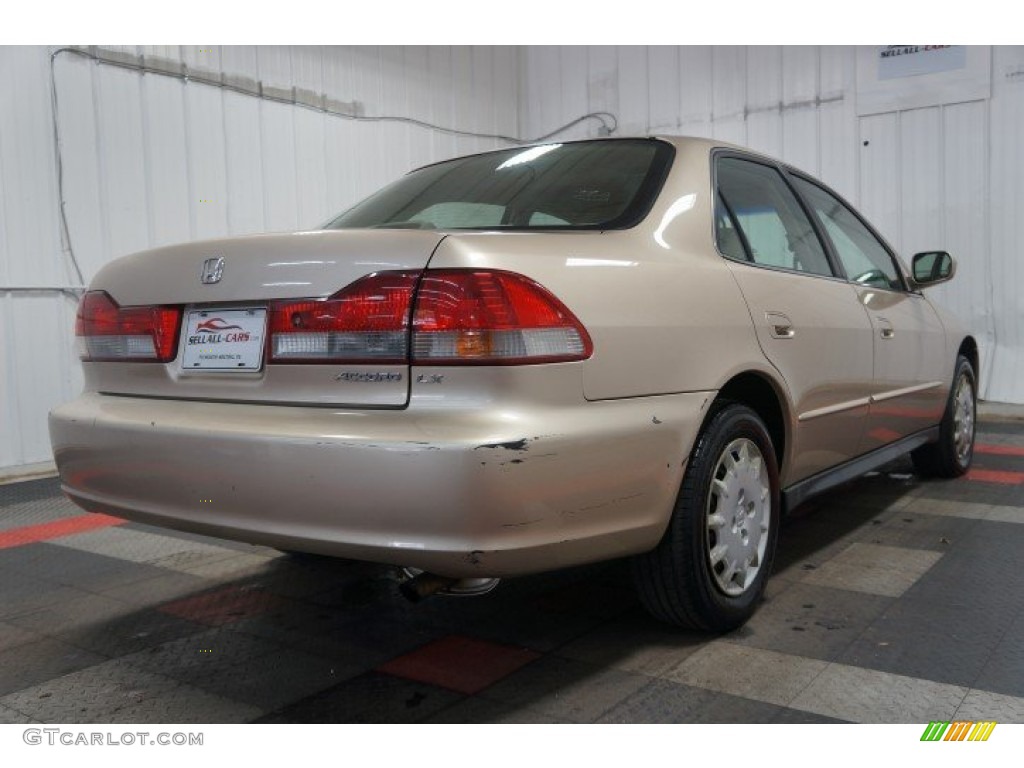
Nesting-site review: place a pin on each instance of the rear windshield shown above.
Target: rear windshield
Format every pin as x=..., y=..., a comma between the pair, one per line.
x=607, y=184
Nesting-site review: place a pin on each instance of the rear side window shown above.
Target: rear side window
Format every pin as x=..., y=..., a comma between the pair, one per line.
x=865, y=260
x=600, y=184
x=759, y=203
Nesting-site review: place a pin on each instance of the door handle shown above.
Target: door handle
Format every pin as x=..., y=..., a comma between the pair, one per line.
x=779, y=325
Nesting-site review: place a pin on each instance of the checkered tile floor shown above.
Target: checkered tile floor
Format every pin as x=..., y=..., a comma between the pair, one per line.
x=894, y=600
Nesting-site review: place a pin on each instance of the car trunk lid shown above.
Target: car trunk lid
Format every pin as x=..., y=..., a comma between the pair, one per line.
x=228, y=290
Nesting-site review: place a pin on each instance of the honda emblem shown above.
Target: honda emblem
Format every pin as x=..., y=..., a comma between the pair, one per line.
x=213, y=270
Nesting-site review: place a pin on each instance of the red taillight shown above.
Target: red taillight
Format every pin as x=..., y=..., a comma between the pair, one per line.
x=366, y=322
x=108, y=332
x=492, y=317
x=461, y=316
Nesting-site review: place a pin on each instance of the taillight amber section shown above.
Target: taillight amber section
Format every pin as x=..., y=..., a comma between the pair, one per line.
x=111, y=333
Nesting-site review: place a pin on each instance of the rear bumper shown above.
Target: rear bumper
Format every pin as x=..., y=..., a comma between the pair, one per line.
x=463, y=493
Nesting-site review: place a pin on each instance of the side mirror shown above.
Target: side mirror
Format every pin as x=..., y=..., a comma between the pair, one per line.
x=931, y=268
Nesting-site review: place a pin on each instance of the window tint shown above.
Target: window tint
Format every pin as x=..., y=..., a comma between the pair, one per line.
x=864, y=258
x=601, y=184
x=770, y=217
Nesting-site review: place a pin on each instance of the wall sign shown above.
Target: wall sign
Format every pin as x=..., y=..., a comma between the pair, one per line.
x=897, y=77
x=912, y=60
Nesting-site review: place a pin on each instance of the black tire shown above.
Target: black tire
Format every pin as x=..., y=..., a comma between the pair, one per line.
x=676, y=581
x=951, y=455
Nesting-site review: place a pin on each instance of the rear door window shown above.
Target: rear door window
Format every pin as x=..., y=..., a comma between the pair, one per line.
x=775, y=227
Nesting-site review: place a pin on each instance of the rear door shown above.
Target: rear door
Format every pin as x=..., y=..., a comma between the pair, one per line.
x=909, y=391
x=809, y=321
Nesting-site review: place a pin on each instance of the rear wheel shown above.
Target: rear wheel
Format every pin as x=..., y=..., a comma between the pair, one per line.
x=710, y=569
x=951, y=455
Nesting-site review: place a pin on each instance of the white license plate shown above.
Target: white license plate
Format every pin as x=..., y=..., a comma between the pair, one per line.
x=224, y=339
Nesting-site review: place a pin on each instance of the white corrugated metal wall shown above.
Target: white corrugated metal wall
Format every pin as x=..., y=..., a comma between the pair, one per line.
x=150, y=159
x=949, y=176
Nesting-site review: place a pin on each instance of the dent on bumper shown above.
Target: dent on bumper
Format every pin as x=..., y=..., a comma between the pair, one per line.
x=469, y=493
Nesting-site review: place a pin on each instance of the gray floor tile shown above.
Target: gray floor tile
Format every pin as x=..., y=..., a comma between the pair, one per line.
x=942, y=641
x=31, y=490
x=190, y=560
x=276, y=679
x=1003, y=671
x=918, y=531
x=565, y=688
x=129, y=634
x=133, y=545
x=873, y=568
x=370, y=698
x=73, y=568
x=642, y=645
x=989, y=428
x=204, y=655
x=869, y=696
x=799, y=717
x=663, y=701
x=753, y=673
x=83, y=610
x=198, y=538
x=985, y=705
x=44, y=659
x=36, y=512
x=24, y=594
x=476, y=710
x=981, y=568
x=117, y=692
x=946, y=508
x=216, y=567
x=812, y=621
x=11, y=636
x=164, y=587
x=10, y=716
x=974, y=492
x=999, y=514
x=537, y=630
x=321, y=632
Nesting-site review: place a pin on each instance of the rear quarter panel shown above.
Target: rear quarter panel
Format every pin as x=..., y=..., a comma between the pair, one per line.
x=662, y=308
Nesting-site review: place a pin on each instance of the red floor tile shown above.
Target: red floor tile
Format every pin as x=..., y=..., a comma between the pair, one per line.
x=31, y=534
x=996, y=476
x=224, y=606
x=458, y=663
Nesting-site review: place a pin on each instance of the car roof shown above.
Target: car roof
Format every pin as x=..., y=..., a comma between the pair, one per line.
x=676, y=141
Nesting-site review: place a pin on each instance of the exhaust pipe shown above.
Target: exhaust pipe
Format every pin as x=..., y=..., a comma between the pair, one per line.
x=419, y=585
x=424, y=585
